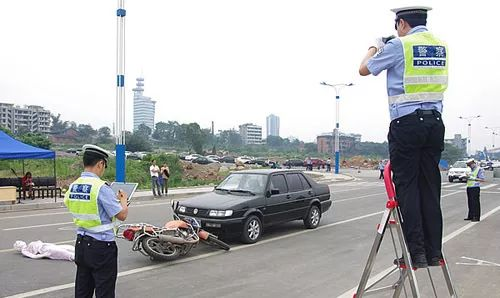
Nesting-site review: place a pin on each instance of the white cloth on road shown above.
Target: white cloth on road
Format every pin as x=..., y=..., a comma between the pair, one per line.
x=39, y=249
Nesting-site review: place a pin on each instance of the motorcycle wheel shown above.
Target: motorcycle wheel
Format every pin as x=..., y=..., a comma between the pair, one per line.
x=214, y=241
x=159, y=250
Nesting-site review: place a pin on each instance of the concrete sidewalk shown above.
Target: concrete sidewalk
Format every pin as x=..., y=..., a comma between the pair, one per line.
x=146, y=195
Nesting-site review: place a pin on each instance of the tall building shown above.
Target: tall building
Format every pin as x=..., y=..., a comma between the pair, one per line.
x=29, y=118
x=458, y=141
x=347, y=141
x=273, y=125
x=251, y=134
x=144, y=107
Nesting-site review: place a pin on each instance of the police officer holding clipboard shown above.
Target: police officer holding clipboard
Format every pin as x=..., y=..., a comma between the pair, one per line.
x=94, y=207
x=417, y=76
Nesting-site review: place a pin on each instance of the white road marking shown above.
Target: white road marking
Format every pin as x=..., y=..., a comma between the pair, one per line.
x=153, y=267
x=38, y=226
x=361, y=197
x=488, y=186
x=478, y=262
x=32, y=215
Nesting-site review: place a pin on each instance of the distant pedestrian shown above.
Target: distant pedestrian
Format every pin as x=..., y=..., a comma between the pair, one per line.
x=329, y=164
x=27, y=184
x=473, y=190
x=309, y=165
x=165, y=174
x=154, y=171
x=381, y=166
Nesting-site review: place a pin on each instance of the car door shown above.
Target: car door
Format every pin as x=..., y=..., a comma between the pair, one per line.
x=276, y=204
x=297, y=196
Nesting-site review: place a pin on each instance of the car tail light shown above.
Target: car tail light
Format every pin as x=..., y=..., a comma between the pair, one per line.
x=129, y=234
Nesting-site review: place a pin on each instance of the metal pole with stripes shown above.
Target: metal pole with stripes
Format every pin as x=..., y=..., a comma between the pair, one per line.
x=120, y=92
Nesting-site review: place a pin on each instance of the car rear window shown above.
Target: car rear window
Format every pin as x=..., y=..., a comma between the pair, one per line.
x=304, y=181
x=279, y=182
x=294, y=182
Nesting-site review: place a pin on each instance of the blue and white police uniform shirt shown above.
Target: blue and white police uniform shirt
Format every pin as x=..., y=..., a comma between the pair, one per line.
x=108, y=208
x=480, y=175
x=391, y=57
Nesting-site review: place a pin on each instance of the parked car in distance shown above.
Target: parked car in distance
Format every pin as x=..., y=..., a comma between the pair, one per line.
x=213, y=157
x=192, y=156
x=459, y=170
x=316, y=162
x=243, y=159
x=227, y=159
x=203, y=160
x=248, y=201
x=293, y=163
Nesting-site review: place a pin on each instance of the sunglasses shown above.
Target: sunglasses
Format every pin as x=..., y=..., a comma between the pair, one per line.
x=105, y=164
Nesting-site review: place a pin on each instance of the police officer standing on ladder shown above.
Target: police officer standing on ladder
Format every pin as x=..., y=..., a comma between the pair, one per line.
x=417, y=76
x=473, y=190
x=94, y=207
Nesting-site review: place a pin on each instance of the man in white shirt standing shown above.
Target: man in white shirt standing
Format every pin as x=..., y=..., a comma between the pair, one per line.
x=155, y=184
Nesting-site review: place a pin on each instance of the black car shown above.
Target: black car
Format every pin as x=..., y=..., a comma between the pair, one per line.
x=247, y=201
x=227, y=159
x=293, y=163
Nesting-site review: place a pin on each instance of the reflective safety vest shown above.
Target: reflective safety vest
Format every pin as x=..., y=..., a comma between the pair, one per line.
x=81, y=200
x=425, y=76
x=471, y=182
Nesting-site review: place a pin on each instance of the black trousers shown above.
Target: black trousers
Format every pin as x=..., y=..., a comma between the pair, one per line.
x=473, y=202
x=415, y=145
x=381, y=176
x=97, y=267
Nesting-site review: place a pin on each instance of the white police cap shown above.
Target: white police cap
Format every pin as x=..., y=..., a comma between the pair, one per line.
x=470, y=160
x=96, y=150
x=411, y=10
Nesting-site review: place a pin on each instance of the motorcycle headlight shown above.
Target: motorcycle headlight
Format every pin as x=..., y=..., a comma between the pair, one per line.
x=182, y=209
x=220, y=213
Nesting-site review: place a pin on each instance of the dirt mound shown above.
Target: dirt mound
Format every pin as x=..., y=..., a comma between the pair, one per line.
x=360, y=162
x=201, y=172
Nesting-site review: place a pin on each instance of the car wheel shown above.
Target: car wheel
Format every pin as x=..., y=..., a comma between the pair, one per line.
x=311, y=221
x=450, y=179
x=252, y=230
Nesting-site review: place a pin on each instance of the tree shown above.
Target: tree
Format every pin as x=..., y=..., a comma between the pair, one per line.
x=6, y=130
x=275, y=141
x=87, y=133
x=452, y=153
x=104, y=135
x=35, y=139
x=57, y=124
x=143, y=130
x=137, y=142
x=310, y=148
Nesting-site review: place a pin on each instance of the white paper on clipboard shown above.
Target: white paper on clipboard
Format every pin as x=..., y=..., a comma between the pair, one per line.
x=127, y=187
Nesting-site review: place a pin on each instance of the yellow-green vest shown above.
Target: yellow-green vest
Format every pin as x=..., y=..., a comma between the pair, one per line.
x=81, y=200
x=425, y=76
x=471, y=182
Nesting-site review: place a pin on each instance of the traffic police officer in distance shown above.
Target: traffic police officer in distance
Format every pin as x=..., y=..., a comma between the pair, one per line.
x=94, y=207
x=473, y=190
x=417, y=76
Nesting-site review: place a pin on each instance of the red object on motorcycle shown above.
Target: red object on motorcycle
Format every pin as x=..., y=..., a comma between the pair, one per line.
x=129, y=234
x=203, y=234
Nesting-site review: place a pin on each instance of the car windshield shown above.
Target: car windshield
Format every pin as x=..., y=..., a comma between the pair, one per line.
x=459, y=164
x=254, y=183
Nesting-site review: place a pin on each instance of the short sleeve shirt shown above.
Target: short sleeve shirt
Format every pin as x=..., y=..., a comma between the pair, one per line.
x=391, y=58
x=109, y=206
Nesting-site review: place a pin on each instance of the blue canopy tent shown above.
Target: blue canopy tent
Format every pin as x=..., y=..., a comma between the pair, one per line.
x=11, y=148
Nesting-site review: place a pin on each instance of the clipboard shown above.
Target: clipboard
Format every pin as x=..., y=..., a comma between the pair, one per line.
x=127, y=187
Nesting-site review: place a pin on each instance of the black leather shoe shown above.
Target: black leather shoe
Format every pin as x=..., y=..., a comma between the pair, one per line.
x=475, y=219
x=419, y=261
x=468, y=218
x=434, y=261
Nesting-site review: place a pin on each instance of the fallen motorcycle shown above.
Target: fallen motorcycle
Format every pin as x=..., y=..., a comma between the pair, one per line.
x=176, y=238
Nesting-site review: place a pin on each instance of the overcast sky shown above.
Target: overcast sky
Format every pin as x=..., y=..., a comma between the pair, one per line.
x=235, y=61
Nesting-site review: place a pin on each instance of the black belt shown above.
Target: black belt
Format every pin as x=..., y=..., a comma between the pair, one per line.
x=420, y=112
x=91, y=239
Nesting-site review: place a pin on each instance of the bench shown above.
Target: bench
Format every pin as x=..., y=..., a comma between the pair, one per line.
x=44, y=187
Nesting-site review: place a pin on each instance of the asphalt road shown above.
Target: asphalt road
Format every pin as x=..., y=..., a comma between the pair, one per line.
x=289, y=261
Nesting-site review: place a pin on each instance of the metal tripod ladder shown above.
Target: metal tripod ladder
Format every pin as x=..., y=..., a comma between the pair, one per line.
x=392, y=219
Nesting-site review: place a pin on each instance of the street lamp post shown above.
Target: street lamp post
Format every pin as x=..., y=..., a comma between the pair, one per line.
x=469, y=120
x=335, y=134
x=120, y=92
x=493, y=134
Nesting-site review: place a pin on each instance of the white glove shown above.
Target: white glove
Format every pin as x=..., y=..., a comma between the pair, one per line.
x=379, y=43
